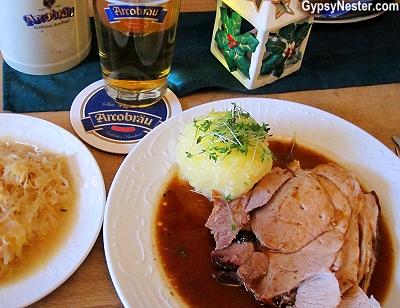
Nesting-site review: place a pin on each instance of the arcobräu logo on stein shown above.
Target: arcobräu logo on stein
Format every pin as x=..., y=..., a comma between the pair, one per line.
x=53, y=14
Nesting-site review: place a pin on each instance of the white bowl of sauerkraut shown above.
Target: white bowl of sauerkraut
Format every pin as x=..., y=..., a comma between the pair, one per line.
x=52, y=199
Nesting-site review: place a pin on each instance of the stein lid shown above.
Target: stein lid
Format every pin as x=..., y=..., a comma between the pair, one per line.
x=108, y=126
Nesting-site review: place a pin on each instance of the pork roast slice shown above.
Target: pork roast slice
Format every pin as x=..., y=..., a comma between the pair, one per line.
x=369, y=239
x=356, y=298
x=342, y=207
x=345, y=181
x=320, y=291
x=233, y=256
x=280, y=273
x=346, y=195
x=297, y=213
x=347, y=268
x=227, y=218
x=254, y=272
x=267, y=186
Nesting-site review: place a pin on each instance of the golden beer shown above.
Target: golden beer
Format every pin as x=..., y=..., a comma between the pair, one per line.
x=136, y=41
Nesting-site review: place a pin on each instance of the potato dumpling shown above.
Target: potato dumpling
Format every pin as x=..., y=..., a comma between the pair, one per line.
x=224, y=151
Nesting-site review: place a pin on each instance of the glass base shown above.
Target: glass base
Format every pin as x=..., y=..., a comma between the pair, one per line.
x=136, y=99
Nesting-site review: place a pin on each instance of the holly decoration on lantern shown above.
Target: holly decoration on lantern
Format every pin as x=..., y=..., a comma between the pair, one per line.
x=234, y=45
x=284, y=48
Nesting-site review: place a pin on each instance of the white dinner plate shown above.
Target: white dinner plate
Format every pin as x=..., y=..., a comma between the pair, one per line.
x=91, y=197
x=129, y=225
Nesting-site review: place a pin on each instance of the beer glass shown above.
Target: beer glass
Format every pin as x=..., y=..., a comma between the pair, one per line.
x=136, y=41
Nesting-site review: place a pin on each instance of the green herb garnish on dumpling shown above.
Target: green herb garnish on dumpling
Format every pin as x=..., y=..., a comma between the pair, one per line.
x=224, y=151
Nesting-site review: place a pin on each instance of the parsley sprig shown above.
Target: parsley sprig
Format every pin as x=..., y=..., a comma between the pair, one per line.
x=233, y=130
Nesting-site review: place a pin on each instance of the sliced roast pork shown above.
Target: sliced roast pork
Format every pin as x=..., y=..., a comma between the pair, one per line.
x=283, y=272
x=233, y=256
x=298, y=212
x=321, y=291
x=356, y=298
x=369, y=239
x=227, y=218
x=346, y=183
x=346, y=269
x=267, y=186
x=315, y=236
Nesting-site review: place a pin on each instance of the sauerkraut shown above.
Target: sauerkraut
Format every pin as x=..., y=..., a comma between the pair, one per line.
x=34, y=192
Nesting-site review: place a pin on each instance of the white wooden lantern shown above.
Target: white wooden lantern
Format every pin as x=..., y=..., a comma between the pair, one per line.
x=260, y=41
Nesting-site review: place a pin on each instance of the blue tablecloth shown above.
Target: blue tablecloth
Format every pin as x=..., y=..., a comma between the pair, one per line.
x=337, y=56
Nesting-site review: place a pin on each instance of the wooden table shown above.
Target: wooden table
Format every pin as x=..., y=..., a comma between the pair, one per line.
x=375, y=109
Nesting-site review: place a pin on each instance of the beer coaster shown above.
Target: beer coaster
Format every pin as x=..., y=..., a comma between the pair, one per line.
x=110, y=127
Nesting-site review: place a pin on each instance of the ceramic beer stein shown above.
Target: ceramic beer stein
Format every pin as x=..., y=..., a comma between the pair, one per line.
x=42, y=37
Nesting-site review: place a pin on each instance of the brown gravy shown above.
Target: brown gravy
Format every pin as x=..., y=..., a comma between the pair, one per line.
x=184, y=243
